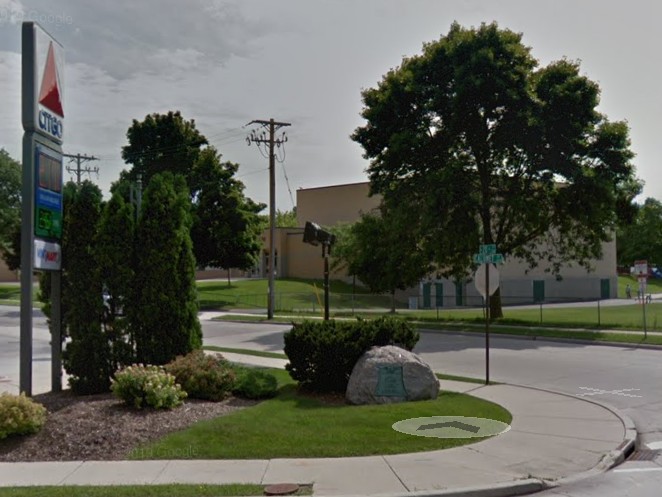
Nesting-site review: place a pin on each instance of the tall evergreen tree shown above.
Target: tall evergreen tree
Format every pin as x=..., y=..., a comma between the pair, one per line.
x=164, y=305
x=87, y=356
x=115, y=256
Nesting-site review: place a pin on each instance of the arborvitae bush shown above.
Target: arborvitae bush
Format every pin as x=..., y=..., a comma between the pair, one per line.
x=20, y=415
x=322, y=354
x=87, y=356
x=115, y=256
x=163, y=310
x=203, y=376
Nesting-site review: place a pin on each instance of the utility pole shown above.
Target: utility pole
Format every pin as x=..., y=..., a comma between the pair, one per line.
x=263, y=139
x=78, y=169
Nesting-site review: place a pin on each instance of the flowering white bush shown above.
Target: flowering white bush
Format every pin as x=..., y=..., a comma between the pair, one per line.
x=151, y=386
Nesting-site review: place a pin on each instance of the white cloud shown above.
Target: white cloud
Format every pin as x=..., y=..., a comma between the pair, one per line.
x=225, y=63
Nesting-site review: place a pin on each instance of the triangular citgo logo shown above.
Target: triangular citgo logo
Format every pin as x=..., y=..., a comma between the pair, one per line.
x=49, y=95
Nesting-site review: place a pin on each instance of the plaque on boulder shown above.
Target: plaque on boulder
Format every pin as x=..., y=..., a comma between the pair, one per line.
x=390, y=374
x=389, y=381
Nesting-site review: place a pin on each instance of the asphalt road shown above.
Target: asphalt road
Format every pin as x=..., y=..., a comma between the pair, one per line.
x=628, y=379
x=10, y=350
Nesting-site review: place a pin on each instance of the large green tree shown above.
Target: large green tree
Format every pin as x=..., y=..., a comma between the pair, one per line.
x=226, y=226
x=382, y=252
x=488, y=147
x=10, y=209
x=642, y=239
x=225, y=230
x=163, y=310
x=162, y=142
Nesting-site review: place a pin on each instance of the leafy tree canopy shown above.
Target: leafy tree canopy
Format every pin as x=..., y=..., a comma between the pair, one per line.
x=226, y=226
x=225, y=229
x=488, y=147
x=286, y=219
x=642, y=239
x=10, y=206
x=162, y=142
x=381, y=251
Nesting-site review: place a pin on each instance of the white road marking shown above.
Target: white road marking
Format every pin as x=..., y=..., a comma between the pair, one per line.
x=599, y=391
x=654, y=445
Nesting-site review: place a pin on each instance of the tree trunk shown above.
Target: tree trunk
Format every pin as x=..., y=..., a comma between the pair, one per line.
x=496, y=311
x=393, y=302
x=229, y=283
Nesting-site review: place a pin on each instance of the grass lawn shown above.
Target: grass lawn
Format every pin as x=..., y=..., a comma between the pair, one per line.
x=534, y=332
x=297, y=425
x=141, y=491
x=290, y=295
x=10, y=294
x=629, y=316
x=653, y=285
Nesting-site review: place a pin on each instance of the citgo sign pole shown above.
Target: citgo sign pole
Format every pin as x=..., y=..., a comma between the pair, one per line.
x=41, y=217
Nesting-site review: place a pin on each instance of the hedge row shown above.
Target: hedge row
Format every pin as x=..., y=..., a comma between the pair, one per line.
x=322, y=354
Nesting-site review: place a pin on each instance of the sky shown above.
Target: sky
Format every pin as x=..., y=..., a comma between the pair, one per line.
x=225, y=63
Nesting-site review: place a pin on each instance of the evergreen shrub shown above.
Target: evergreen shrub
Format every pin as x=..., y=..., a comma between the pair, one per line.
x=20, y=415
x=322, y=354
x=253, y=383
x=147, y=386
x=203, y=376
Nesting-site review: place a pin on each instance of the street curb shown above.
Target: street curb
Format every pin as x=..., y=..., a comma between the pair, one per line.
x=612, y=458
x=506, y=489
x=547, y=339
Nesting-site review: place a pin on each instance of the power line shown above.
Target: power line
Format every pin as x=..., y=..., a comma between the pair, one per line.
x=287, y=182
x=80, y=159
x=262, y=139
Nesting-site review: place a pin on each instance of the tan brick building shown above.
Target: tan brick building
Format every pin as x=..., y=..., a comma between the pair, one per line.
x=5, y=274
x=330, y=205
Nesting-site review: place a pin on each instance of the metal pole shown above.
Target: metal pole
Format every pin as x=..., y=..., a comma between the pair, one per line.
x=325, y=254
x=56, y=331
x=272, y=219
x=487, y=324
x=643, y=306
x=27, y=249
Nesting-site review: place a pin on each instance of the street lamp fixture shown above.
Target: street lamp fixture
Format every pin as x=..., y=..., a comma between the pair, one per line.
x=314, y=235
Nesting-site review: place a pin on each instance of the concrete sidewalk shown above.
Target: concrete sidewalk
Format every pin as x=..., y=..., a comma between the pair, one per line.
x=553, y=438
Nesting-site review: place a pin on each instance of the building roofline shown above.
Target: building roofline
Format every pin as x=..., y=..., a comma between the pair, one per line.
x=334, y=186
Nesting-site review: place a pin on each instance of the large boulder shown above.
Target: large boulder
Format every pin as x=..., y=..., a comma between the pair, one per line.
x=390, y=374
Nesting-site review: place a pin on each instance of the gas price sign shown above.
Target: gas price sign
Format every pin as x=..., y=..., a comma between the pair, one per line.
x=48, y=193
